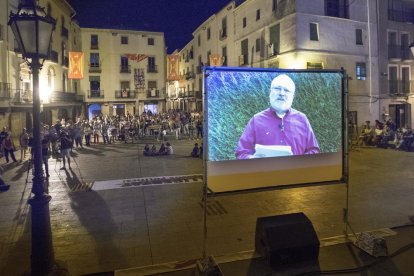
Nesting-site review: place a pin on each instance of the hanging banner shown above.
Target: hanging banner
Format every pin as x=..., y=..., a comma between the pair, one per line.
x=173, y=68
x=75, y=65
x=136, y=57
x=139, y=78
x=215, y=60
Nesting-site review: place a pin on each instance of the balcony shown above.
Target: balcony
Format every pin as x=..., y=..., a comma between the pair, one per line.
x=223, y=34
x=152, y=69
x=95, y=94
x=153, y=93
x=95, y=68
x=400, y=88
x=22, y=96
x=4, y=90
x=60, y=96
x=94, y=46
x=125, y=94
x=243, y=60
x=65, y=61
x=54, y=56
x=125, y=68
x=189, y=75
x=406, y=53
x=64, y=32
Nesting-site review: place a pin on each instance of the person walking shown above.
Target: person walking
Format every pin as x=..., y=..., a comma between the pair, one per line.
x=24, y=143
x=9, y=148
x=45, y=155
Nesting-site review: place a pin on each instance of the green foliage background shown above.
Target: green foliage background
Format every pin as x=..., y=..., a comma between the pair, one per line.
x=235, y=96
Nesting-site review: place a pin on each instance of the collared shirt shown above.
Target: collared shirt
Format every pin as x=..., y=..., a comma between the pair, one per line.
x=266, y=128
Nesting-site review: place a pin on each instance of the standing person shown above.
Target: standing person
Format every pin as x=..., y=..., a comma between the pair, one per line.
x=9, y=148
x=278, y=125
x=24, y=143
x=104, y=132
x=45, y=154
x=3, y=135
x=65, y=144
x=199, y=127
x=87, y=130
x=78, y=135
x=96, y=129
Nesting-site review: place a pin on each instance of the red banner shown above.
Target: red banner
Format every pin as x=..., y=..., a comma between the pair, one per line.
x=215, y=60
x=75, y=65
x=136, y=57
x=173, y=68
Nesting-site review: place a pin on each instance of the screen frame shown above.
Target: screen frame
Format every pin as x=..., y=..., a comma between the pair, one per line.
x=344, y=131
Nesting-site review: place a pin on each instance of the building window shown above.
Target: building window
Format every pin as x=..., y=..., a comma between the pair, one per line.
x=274, y=5
x=152, y=67
x=94, y=60
x=124, y=64
x=124, y=40
x=313, y=31
x=257, y=15
x=199, y=40
x=274, y=40
x=94, y=42
x=337, y=8
x=208, y=57
x=358, y=37
x=244, y=22
x=208, y=33
x=258, y=44
x=151, y=41
x=361, y=71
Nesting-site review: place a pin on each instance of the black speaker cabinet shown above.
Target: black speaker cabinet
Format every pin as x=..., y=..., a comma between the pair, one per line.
x=286, y=239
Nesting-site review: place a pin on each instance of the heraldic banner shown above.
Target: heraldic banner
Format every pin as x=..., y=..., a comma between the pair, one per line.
x=75, y=65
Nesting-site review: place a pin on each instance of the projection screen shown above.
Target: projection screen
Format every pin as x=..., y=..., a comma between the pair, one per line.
x=270, y=127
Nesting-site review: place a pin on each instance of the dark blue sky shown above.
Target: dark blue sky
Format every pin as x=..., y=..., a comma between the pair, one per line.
x=176, y=18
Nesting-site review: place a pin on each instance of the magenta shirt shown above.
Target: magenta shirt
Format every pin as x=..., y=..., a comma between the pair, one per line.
x=266, y=128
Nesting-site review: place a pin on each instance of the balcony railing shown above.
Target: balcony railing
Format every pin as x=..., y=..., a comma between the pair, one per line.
x=400, y=88
x=4, y=90
x=153, y=93
x=94, y=46
x=189, y=75
x=152, y=69
x=98, y=93
x=125, y=94
x=54, y=56
x=60, y=96
x=223, y=34
x=394, y=51
x=95, y=68
x=65, y=61
x=64, y=32
x=22, y=96
x=125, y=68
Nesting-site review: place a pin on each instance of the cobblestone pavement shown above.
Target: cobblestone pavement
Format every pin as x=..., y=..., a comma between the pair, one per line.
x=107, y=229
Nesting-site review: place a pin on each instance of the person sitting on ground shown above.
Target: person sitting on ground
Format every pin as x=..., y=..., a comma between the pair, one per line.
x=195, y=152
x=147, y=151
x=169, y=148
x=162, y=150
x=153, y=150
x=200, y=151
x=366, y=135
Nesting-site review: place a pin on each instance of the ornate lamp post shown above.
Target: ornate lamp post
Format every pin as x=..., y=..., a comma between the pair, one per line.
x=33, y=29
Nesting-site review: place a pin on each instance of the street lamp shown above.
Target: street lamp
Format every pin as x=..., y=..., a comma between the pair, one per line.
x=33, y=28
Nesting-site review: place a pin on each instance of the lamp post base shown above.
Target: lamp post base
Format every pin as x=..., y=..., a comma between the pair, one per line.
x=42, y=258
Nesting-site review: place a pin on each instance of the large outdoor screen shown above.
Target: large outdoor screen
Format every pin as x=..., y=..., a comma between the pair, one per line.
x=272, y=127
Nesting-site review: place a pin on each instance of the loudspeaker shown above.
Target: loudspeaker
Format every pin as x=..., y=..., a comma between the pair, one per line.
x=286, y=239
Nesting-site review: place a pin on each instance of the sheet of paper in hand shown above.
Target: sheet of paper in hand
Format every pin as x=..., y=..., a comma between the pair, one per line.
x=272, y=150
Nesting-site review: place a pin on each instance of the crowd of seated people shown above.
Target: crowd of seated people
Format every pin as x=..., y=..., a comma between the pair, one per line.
x=165, y=149
x=386, y=135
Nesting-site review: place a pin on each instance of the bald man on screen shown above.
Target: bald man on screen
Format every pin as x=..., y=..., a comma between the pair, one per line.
x=279, y=130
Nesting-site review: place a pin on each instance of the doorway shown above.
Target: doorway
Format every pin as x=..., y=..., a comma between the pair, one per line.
x=400, y=114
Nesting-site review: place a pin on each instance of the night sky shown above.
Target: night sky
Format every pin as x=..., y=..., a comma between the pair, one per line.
x=176, y=18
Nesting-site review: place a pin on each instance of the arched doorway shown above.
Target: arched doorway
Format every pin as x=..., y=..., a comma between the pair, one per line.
x=94, y=110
